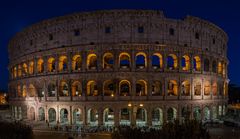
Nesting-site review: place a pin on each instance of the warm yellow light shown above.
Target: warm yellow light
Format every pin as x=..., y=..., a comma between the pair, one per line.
x=141, y=105
x=129, y=105
x=112, y=95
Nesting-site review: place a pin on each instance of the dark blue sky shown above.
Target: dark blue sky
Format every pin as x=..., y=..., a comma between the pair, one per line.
x=18, y=14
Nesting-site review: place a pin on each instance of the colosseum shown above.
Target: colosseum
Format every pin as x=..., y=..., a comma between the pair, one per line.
x=118, y=67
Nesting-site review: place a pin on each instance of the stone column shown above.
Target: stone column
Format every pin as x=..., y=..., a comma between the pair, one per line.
x=70, y=115
x=116, y=82
x=133, y=116
x=133, y=86
x=46, y=113
x=84, y=115
x=116, y=117
x=133, y=59
x=149, y=117
x=100, y=117
x=69, y=62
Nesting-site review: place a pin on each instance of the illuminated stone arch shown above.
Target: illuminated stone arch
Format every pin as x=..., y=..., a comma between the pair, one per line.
x=214, y=88
x=157, y=88
x=32, y=90
x=124, y=88
x=92, y=117
x=31, y=67
x=76, y=62
x=51, y=88
x=185, y=88
x=77, y=116
x=40, y=65
x=224, y=69
x=141, y=117
x=108, y=88
x=185, y=63
x=206, y=65
x=51, y=64
x=172, y=88
x=171, y=114
x=157, y=117
x=25, y=69
x=76, y=88
x=214, y=66
x=125, y=116
x=220, y=67
x=62, y=63
x=197, y=88
x=172, y=62
x=124, y=60
x=197, y=63
x=141, y=60
x=108, y=61
x=63, y=89
x=41, y=114
x=92, y=61
x=92, y=88
x=141, y=88
x=157, y=61
x=108, y=117
x=19, y=70
x=207, y=88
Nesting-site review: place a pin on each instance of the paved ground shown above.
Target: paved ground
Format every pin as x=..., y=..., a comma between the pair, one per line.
x=59, y=135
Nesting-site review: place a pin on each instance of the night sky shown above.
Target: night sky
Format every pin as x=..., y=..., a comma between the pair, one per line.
x=15, y=15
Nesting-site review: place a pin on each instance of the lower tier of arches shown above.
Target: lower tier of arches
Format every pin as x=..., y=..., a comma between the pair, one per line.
x=117, y=113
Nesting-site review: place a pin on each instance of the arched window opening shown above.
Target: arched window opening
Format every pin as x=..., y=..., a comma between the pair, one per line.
x=63, y=66
x=206, y=113
x=51, y=115
x=19, y=70
x=51, y=90
x=214, y=66
x=124, y=60
x=185, y=63
x=197, y=88
x=108, y=88
x=157, y=117
x=206, y=65
x=25, y=69
x=141, y=61
x=108, y=61
x=76, y=88
x=141, y=117
x=125, y=88
x=32, y=114
x=185, y=88
x=157, y=88
x=108, y=117
x=63, y=90
x=51, y=65
x=92, y=117
x=220, y=67
x=207, y=88
x=24, y=91
x=171, y=114
x=41, y=114
x=31, y=67
x=76, y=62
x=186, y=112
x=197, y=63
x=77, y=117
x=92, y=89
x=197, y=113
x=214, y=88
x=32, y=90
x=172, y=62
x=92, y=61
x=64, y=116
x=141, y=88
x=172, y=88
x=40, y=66
x=157, y=61
x=125, y=116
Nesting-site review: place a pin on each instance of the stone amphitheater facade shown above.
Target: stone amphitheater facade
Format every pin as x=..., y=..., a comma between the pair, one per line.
x=118, y=67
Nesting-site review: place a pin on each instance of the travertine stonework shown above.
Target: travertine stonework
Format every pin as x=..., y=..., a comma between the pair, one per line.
x=118, y=67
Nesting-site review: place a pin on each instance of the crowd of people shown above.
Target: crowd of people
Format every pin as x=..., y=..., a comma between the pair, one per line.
x=172, y=130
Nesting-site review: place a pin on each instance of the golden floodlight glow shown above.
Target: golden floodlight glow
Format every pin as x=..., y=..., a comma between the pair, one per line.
x=112, y=95
x=141, y=105
x=129, y=105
